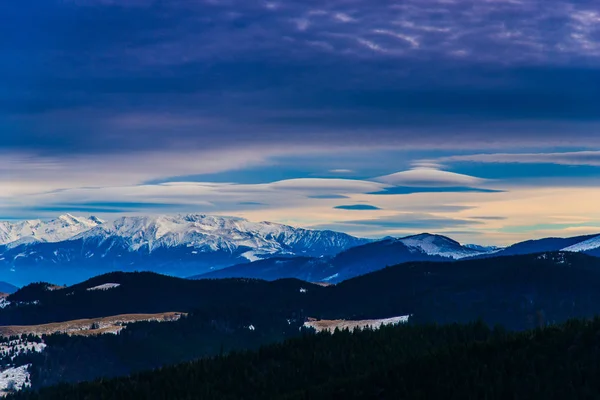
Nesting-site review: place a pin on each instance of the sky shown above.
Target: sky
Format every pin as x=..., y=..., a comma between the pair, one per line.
x=476, y=119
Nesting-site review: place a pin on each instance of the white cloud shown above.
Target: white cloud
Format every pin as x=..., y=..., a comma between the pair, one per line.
x=343, y=17
x=430, y=177
x=341, y=186
x=410, y=39
x=302, y=24
x=27, y=174
x=372, y=45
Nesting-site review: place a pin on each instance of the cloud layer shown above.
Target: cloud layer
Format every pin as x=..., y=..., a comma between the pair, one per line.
x=591, y=158
x=102, y=77
x=308, y=112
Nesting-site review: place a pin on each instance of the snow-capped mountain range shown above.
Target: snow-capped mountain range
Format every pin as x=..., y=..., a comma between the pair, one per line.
x=62, y=228
x=209, y=233
x=178, y=245
x=69, y=248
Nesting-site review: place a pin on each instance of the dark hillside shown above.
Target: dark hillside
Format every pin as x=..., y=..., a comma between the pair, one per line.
x=406, y=362
x=147, y=293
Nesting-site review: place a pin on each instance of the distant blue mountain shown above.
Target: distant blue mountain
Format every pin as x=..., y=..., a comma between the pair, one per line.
x=70, y=249
x=6, y=287
x=353, y=262
x=374, y=256
x=542, y=245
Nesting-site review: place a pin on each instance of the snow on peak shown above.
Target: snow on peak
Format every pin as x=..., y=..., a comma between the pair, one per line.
x=586, y=245
x=69, y=219
x=483, y=249
x=437, y=245
x=96, y=220
x=56, y=230
x=217, y=233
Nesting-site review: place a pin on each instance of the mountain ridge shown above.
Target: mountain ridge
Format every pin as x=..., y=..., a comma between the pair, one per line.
x=353, y=262
x=70, y=249
x=179, y=245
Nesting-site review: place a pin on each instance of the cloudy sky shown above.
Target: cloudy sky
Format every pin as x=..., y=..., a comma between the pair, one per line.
x=479, y=119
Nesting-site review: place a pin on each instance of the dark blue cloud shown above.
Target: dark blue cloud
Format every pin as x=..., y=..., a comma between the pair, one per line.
x=357, y=207
x=101, y=76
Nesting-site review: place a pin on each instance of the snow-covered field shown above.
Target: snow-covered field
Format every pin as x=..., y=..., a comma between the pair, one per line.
x=13, y=379
x=16, y=377
x=332, y=325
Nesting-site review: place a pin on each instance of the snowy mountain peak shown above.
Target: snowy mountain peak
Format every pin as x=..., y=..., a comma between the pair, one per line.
x=181, y=245
x=69, y=219
x=219, y=233
x=56, y=230
x=438, y=245
x=96, y=220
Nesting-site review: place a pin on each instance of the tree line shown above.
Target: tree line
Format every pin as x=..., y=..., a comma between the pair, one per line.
x=456, y=361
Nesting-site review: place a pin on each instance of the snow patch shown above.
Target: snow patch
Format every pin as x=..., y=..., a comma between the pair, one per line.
x=558, y=258
x=251, y=256
x=56, y=230
x=436, y=245
x=586, y=245
x=105, y=286
x=331, y=277
x=21, y=346
x=332, y=325
x=14, y=379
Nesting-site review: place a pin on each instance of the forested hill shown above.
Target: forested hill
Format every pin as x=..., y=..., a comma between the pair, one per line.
x=146, y=292
x=519, y=292
x=412, y=362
